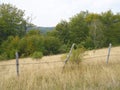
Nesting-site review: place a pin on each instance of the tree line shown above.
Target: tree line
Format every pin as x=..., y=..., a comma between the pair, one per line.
x=89, y=30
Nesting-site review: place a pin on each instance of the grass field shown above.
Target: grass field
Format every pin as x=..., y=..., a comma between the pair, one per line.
x=91, y=74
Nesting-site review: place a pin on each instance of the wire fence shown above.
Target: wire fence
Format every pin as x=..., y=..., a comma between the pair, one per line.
x=13, y=64
x=54, y=62
x=63, y=63
x=11, y=68
x=30, y=63
x=101, y=56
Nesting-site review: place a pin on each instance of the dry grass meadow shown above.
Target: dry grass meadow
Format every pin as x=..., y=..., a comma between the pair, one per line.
x=91, y=74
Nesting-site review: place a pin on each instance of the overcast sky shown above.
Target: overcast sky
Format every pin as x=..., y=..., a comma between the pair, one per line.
x=51, y=12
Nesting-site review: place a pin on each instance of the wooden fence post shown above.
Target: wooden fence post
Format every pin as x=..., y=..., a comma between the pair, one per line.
x=69, y=54
x=109, y=49
x=17, y=63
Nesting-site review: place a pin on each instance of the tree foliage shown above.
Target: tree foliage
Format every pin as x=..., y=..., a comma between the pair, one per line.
x=78, y=28
x=12, y=22
x=89, y=30
x=63, y=32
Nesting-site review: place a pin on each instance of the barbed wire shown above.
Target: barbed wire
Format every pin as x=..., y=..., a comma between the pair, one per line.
x=41, y=62
x=30, y=63
x=102, y=56
x=56, y=61
x=13, y=71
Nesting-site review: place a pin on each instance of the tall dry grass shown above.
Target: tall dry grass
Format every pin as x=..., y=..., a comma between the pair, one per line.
x=92, y=74
x=82, y=77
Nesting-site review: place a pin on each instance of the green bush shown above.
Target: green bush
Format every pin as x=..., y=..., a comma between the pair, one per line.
x=3, y=56
x=51, y=45
x=28, y=45
x=77, y=55
x=9, y=47
x=33, y=32
x=63, y=49
x=37, y=55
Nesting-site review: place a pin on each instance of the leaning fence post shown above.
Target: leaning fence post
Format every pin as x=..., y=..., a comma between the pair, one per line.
x=17, y=63
x=109, y=49
x=69, y=54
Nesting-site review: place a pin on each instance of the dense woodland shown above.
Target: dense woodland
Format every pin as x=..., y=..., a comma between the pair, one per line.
x=85, y=29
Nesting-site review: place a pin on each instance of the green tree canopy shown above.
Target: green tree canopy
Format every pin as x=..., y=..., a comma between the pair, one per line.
x=78, y=28
x=111, y=22
x=12, y=22
x=63, y=32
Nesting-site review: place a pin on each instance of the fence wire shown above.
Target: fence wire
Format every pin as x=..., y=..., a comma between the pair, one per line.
x=56, y=61
x=102, y=56
x=41, y=62
x=30, y=63
x=14, y=64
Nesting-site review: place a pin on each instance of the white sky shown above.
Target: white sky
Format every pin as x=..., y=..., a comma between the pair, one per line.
x=51, y=12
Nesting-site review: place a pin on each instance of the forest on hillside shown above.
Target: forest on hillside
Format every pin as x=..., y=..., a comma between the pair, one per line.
x=85, y=29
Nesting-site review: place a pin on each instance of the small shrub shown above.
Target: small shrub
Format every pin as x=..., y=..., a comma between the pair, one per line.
x=77, y=55
x=64, y=56
x=63, y=49
x=37, y=55
x=3, y=56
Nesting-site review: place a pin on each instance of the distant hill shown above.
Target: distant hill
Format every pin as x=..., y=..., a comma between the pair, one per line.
x=46, y=29
x=42, y=29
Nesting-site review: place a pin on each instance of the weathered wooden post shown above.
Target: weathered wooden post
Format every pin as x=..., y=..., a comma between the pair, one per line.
x=69, y=54
x=109, y=49
x=17, y=63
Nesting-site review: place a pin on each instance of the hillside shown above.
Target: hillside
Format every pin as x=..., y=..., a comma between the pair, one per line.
x=42, y=29
x=89, y=57
x=46, y=29
x=92, y=74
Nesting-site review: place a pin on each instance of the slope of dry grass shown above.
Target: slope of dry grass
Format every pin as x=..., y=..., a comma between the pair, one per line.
x=91, y=74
